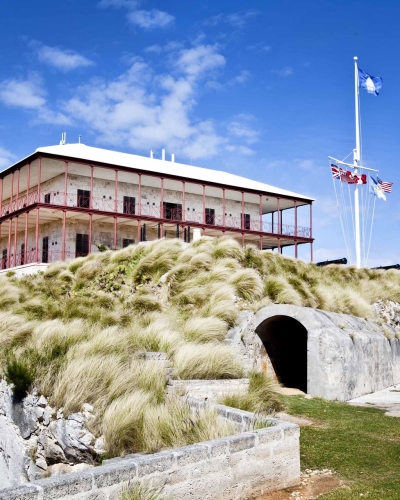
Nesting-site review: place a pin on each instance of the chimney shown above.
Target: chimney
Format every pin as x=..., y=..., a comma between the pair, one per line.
x=173, y=158
x=151, y=154
x=163, y=154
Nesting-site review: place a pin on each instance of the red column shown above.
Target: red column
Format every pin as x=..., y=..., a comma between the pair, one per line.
x=26, y=238
x=223, y=208
x=90, y=232
x=116, y=192
x=279, y=245
x=37, y=236
x=261, y=224
x=162, y=199
x=242, y=239
x=63, y=237
x=91, y=187
x=140, y=195
x=261, y=246
x=279, y=216
x=9, y=243
x=11, y=192
x=183, y=202
x=28, y=187
x=65, y=183
x=204, y=203
x=1, y=197
x=15, y=240
x=242, y=223
x=16, y=198
x=295, y=250
x=39, y=177
x=138, y=231
x=311, y=252
x=115, y=232
x=295, y=217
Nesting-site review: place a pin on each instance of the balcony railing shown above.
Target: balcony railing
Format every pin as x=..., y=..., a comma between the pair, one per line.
x=108, y=204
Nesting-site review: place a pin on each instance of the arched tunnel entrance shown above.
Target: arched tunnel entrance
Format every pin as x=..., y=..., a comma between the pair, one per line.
x=285, y=340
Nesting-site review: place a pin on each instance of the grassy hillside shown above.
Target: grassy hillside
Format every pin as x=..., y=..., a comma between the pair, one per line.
x=77, y=330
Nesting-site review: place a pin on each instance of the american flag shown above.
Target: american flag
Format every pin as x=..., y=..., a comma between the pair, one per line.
x=386, y=186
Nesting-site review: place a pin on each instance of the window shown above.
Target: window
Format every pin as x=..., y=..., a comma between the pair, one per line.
x=22, y=254
x=210, y=216
x=173, y=211
x=246, y=221
x=4, y=259
x=47, y=198
x=45, y=249
x=129, y=205
x=81, y=245
x=83, y=198
x=126, y=242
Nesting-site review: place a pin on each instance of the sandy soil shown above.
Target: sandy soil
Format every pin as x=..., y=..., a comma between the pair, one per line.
x=313, y=484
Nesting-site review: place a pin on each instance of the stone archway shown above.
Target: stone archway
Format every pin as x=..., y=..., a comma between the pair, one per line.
x=285, y=341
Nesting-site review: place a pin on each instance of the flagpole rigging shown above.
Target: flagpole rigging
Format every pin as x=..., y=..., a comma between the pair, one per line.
x=357, y=155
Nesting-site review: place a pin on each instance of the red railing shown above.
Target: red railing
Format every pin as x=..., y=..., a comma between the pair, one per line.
x=108, y=204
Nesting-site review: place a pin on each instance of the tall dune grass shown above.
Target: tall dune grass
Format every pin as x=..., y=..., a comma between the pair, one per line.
x=78, y=328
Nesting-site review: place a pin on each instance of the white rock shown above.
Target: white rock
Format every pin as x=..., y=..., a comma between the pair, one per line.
x=87, y=407
x=42, y=401
x=99, y=447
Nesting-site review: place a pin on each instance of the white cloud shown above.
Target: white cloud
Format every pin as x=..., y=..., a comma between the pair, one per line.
x=236, y=19
x=242, y=77
x=238, y=129
x=168, y=47
x=200, y=59
x=260, y=46
x=242, y=150
x=147, y=19
x=6, y=158
x=27, y=94
x=150, y=18
x=143, y=110
x=65, y=60
x=287, y=71
x=30, y=94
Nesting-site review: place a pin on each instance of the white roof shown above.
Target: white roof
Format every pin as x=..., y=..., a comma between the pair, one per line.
x=91, y=154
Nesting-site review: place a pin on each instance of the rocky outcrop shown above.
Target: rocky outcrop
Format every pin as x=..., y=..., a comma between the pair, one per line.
x=36, y=441
x=388, y=312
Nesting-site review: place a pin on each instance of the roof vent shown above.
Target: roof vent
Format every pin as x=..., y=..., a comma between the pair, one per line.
x=163, y=154
x=151, y=154
x=172, y=158
x=63, y=139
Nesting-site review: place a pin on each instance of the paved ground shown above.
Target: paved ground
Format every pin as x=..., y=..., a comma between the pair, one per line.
x=388, y=399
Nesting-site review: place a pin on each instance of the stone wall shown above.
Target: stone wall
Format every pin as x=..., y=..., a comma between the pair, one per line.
x=346, y=356
x=236, y=467
x=210, y=390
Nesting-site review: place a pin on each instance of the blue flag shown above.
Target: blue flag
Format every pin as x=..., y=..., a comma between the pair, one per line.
x=376, y=189
x=373, y=84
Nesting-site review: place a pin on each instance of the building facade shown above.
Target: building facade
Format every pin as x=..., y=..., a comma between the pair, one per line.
x=63, y=201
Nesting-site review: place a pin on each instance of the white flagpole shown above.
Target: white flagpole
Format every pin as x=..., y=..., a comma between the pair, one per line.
x=357, y=154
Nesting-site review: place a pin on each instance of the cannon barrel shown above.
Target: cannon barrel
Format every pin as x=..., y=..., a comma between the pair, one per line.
x=335, y=261
x=393, y=266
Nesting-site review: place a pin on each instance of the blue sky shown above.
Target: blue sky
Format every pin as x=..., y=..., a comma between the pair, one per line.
x=260, y=89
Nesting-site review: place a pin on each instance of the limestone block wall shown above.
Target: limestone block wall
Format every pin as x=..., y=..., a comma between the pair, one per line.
x=243, y=466
x=210, y=390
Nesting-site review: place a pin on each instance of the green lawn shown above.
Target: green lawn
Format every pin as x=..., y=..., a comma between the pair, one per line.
x=360, y=444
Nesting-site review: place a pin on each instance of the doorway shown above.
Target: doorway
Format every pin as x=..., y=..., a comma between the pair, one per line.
x=285, y=340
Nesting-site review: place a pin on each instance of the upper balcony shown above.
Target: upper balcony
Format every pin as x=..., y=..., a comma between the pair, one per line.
x=161, y=212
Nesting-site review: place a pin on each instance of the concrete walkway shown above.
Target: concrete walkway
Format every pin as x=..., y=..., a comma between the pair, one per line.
x=388, y=399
